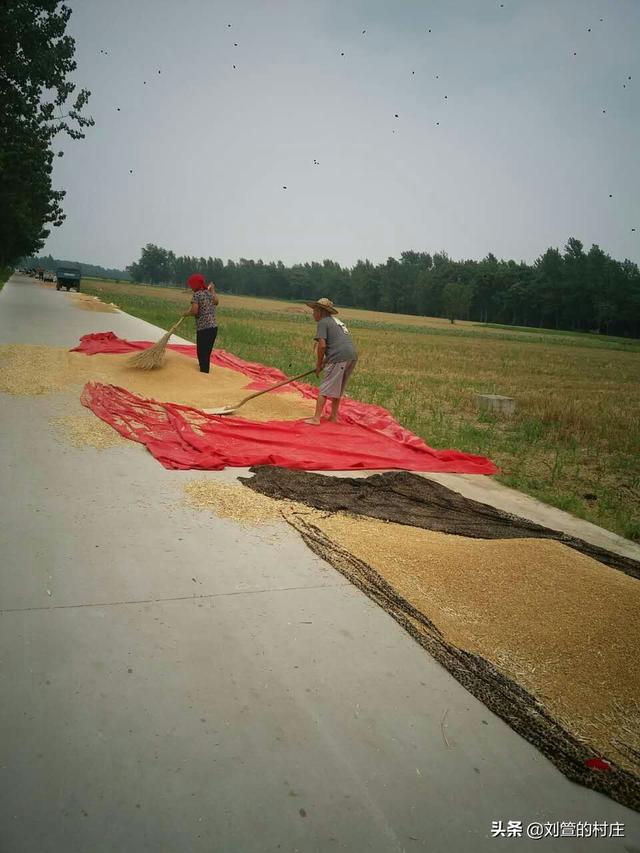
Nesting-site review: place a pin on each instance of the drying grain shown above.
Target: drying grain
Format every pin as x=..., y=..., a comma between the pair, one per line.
x=92, y=303
x=26, y=369
x=32, y=370
x=562, y=625
x=237, y=503
x=88, y=431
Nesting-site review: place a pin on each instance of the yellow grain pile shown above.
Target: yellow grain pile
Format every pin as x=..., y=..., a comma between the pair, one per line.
x=236, y=502
x=88, y=431
x=92, y=303
x=32, y=370
x=564, y=626
x=26, y=369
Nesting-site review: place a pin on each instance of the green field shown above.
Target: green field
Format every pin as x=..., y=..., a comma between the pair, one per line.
x=574, y=442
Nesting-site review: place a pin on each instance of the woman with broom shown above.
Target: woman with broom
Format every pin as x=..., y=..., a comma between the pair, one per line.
x=203, y=308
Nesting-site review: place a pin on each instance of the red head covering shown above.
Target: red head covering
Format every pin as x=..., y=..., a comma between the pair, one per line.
x=197, y=281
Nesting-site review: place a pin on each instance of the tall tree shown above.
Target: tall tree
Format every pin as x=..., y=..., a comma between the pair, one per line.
x=37, y=57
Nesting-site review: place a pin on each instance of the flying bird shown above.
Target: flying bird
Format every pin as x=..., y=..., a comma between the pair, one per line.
x=118, y=109
x=131, y=171
x=235, y=44
x=363, y=32
x=396, y=115
x=284, y=188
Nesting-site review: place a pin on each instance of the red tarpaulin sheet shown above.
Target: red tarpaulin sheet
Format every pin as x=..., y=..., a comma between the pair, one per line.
x=367, y=437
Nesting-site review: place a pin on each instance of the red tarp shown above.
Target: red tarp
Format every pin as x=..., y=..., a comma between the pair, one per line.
x=367, y=437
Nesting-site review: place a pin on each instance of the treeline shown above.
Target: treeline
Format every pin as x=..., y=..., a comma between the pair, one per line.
x=572, y=289
x=48, y=262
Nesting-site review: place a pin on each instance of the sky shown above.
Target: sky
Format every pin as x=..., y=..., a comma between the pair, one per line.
x=464, y=126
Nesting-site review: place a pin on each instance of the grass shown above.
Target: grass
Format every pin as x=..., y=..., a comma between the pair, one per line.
x=574, y=442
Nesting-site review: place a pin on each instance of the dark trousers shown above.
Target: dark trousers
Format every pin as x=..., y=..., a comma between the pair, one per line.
x=205, y=339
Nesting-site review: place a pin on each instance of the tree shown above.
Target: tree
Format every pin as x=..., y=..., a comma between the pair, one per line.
x=156, y=265
x=572, y=291
x=37, y=57
x=456, y=298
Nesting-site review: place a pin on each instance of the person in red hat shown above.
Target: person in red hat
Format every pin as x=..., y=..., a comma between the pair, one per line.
x=203, y=308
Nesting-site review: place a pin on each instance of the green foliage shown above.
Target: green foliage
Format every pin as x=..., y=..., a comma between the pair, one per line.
x=456, y=300
x=37, y=57
x=573, y=292
x=5, y=272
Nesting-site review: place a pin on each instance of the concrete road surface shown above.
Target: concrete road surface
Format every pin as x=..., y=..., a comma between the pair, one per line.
x=174, y=682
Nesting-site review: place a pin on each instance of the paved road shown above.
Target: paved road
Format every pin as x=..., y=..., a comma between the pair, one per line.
x=189, y=685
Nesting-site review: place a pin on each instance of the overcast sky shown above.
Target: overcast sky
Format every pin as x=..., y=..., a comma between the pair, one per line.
x=522, y=158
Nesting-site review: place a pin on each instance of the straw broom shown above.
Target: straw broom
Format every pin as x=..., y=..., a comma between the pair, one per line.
x=153, y=357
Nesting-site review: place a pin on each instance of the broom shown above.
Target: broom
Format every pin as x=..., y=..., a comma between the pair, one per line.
x=153, y=357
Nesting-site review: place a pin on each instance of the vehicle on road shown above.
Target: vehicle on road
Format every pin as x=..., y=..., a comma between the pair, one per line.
x=49, y=275
x=68, y=277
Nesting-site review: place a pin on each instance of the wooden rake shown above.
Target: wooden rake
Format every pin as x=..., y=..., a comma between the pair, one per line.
x=229, y=410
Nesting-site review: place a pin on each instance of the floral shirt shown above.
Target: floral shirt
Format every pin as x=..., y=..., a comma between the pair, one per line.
x=206, y=318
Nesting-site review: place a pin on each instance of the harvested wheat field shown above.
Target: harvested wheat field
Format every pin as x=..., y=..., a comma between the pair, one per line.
x=560, y=624
x=32, y=370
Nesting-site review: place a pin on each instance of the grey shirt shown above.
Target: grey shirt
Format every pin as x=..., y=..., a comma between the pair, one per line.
x=339, y=344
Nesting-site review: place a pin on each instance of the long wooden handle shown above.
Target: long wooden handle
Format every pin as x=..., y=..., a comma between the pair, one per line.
x=175, y=325
x=273, y=387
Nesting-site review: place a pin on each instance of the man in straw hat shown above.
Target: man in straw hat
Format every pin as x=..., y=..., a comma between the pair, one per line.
x=335, y=353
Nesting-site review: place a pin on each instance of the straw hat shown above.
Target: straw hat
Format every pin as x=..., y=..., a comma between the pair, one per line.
x=325, y=304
